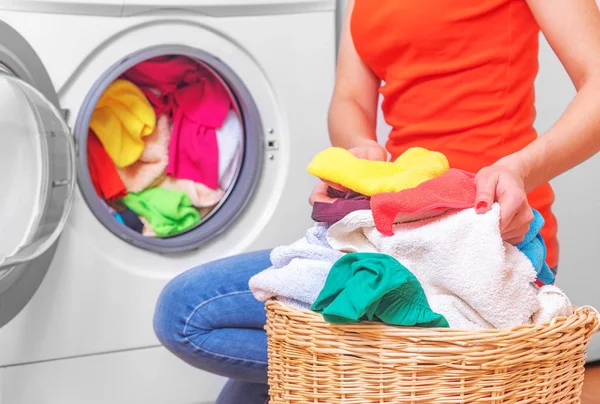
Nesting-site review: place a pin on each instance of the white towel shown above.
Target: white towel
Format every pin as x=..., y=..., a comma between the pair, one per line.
x=458, y=257
x=459, y=314
x=553, y=303
x=299, y=270
x=229, y=137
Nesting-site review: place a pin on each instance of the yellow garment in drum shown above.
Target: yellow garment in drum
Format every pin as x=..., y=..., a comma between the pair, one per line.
x=123, y=116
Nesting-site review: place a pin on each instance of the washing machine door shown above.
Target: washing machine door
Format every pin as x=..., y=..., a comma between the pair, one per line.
x=37, y=166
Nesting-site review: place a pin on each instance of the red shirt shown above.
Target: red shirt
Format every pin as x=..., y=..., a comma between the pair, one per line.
x=458, y=78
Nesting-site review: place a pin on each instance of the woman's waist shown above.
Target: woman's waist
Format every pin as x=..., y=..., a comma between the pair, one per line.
x=469, y=149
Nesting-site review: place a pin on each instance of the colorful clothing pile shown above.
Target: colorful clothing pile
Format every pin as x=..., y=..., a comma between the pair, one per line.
x=164, y=145
x=413, y=251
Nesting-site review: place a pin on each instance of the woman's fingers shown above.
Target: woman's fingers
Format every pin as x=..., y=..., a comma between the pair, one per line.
x=515, y=232
x=319, y=194
x=370, y=151
x=334, y=185
x=486, y=182
x=516, y=235
x=499, y=184
x=376, y=153
x=513, y=210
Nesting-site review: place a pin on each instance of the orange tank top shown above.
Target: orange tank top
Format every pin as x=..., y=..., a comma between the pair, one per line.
x=457, y=77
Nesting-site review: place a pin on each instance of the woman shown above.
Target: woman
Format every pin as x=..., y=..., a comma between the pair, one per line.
x=458, y=79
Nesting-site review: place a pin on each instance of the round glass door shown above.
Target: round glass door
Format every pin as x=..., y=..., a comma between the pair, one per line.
x=37, y=161
x=180, y=164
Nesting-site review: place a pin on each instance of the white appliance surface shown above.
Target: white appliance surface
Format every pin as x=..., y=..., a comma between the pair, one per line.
x=151, y=375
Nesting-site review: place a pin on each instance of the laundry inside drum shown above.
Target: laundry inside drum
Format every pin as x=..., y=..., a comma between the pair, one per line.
x=165, y=146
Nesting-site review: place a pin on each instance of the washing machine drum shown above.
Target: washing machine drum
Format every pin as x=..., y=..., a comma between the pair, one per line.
x=38, y=175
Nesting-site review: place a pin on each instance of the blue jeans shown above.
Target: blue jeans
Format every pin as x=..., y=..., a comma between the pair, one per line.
x=208, y=317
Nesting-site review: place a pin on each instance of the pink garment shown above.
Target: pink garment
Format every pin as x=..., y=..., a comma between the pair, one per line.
x=453, y=190
x=194, y=150
x=197, y=103
x=165, y=74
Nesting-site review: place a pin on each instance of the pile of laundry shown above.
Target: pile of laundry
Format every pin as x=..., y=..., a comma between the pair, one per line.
x=164, y=145
x=404, y=245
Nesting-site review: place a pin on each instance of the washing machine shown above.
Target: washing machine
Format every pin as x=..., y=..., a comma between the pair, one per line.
x=77, y=288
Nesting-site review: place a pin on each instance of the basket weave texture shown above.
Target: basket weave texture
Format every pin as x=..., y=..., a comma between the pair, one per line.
x=311, y=361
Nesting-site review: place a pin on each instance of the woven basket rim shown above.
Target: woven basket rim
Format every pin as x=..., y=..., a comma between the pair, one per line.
x=582, y=316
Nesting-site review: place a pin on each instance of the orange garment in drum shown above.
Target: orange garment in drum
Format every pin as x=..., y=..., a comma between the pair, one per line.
x=458, y=78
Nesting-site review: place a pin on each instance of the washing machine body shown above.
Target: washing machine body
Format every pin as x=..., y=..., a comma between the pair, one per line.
x=77, y=297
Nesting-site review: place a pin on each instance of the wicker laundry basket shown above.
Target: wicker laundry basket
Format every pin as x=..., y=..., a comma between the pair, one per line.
x=311, y=361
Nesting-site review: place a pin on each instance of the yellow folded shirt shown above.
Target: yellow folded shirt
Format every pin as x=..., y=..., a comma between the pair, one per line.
x=412, y=168
x=123, y=116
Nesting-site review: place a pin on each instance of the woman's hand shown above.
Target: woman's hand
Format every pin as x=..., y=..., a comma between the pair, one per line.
x=368, y=150
x=504, y=185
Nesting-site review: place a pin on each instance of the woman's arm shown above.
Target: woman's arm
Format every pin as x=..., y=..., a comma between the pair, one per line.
x=572, y=28
x=353, y=109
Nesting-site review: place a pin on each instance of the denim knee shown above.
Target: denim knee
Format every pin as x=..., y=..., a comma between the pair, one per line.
x=169, y=320
x=208, y=317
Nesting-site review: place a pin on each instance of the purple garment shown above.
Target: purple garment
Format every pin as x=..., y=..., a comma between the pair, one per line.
x=347, y=202
x=349, y=194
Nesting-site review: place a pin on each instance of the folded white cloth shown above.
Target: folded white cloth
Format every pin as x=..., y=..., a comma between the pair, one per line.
x=299, y=270
x=468, y=273
x=459, y=314
x=229, y=137
x=553, y=303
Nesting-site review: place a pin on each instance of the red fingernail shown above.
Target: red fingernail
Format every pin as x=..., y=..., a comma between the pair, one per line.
x=482, y=205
